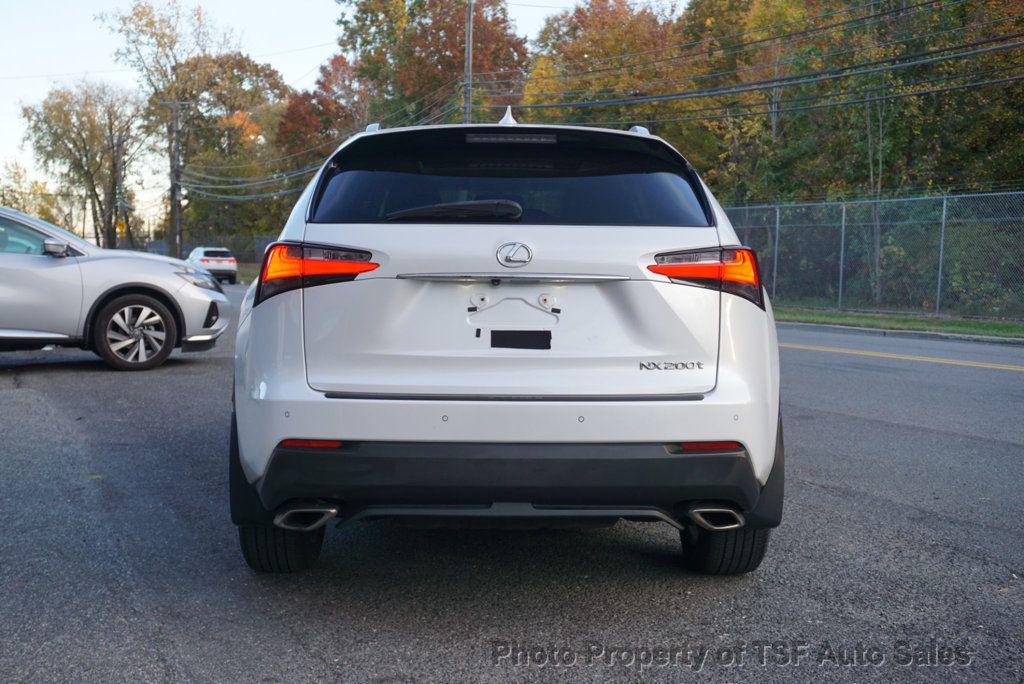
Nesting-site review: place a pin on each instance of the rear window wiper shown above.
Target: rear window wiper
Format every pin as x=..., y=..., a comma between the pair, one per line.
x=494, y=210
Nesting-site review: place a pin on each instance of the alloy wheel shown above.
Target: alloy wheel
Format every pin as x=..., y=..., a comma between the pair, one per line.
x=136, y=333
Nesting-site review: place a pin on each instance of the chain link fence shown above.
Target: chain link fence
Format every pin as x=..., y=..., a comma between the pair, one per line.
x=248, y=249
x=957, y=255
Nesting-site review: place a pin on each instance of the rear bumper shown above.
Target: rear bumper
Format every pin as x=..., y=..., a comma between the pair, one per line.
x=274, y=401
x=539, y=478
x=223, y=272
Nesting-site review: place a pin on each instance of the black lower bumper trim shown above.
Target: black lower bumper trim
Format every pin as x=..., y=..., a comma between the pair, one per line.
x=513, y=510
x=205, y=345
x=363, y=475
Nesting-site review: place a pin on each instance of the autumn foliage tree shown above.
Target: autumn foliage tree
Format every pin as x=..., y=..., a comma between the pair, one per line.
x=88, y=135
x=316, y=119
x=410, y=53
x=579, y=58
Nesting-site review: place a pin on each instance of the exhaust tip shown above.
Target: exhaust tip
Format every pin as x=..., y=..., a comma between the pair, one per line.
x=305, y=518
x=716, y=518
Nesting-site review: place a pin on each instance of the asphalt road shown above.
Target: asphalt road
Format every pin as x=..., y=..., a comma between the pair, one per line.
x=903, y=537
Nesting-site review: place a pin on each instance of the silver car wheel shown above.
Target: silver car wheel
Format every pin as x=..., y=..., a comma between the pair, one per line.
x=136, y=333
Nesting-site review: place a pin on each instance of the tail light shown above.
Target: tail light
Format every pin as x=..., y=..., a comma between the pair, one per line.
x=232, y=260
x=204, y=261
x=288, y=266
x=731, y=270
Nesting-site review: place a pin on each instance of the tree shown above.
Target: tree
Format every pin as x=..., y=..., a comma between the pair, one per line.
x=580, y=57
x=88, y=136
x=36, y=198
x=410, y=53
x=158, y=44
x=317, y=119
x=237, y=104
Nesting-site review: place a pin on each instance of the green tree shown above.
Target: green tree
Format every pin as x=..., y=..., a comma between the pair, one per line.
x=89, y=137
x=158, y=43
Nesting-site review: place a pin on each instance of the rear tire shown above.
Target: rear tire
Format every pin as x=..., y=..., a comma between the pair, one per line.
x=733, y=552
x=272, y=549
x=266, y=548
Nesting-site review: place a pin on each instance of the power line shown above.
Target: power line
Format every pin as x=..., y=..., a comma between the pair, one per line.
x=821, y=75
x=334, y=142
x=588, y=119
x=726, y=50
x=703, y=41
x=202, y=190
x=720, y=39
x=862, y=69
x=191, y=185
x=756, y=67
x=247, y=198
x=241, y=181
x=455, y=106
x=896, y=96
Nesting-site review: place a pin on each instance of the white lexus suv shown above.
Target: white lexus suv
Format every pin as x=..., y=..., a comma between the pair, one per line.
x=548, y=323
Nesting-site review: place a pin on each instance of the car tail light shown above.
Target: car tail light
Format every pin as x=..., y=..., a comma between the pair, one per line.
x=731, y=270
x=204, y=261
x=287, y=266
x=232, y=260
x=310, y=443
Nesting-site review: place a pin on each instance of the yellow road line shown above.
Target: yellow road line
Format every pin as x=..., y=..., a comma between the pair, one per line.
x=903, y=357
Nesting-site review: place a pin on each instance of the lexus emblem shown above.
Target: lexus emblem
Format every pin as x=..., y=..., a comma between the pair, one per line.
x=514, y=254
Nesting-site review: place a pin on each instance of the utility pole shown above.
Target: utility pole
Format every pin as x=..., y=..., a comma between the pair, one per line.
x=118, y=170
x=175, y=213
x=467, y=85
x=122, y=207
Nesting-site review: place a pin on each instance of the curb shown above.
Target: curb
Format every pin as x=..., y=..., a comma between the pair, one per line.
x=921, y=334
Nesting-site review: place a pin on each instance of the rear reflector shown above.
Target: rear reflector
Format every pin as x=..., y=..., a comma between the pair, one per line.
x=287, y=266
x=711, y=446
x=731, y=270
x=310, y=444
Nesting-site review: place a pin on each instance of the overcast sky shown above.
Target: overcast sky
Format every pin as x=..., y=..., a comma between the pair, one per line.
x=48, y=42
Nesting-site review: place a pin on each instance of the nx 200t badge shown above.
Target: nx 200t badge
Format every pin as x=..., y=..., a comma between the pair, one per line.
x=514, y=254
x=671, y=365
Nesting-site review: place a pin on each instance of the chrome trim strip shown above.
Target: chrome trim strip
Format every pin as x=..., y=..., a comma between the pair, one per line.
x=517, y=277
x=31, y=335
x=568, y=398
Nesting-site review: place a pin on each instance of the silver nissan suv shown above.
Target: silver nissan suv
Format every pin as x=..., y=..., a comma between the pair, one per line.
x=132, y=309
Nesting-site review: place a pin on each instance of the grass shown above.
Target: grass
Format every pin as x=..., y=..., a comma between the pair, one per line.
x=959, y=326
x=248, y=272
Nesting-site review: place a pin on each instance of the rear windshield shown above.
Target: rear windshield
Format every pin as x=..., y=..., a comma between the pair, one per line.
x=220, y=253
x=557, y=177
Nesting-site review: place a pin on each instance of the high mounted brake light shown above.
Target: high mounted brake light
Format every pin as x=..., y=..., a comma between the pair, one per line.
x=732, y=270
x=288, y=266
